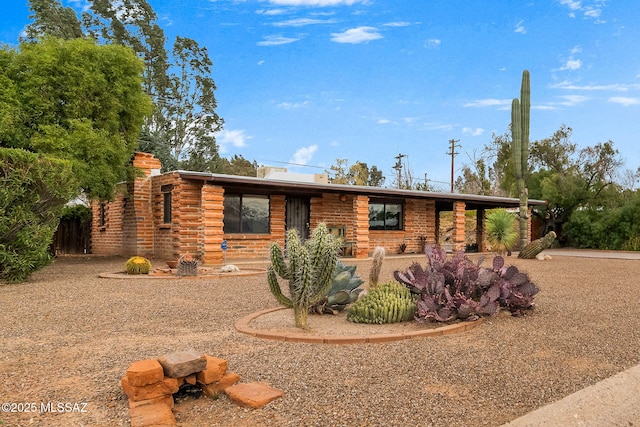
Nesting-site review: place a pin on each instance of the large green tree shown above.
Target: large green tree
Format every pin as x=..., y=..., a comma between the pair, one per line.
x=70, y=114
x=181, y=131
x=75, y=100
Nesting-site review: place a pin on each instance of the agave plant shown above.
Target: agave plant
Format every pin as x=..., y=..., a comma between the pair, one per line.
x=344, y=290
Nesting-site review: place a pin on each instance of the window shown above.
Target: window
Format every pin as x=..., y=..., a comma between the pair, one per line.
x=245, y=213
x=166, y=203
x=103, y=214
x=385, y=216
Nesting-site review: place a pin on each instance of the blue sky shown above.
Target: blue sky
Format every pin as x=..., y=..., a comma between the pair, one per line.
x=305, y=82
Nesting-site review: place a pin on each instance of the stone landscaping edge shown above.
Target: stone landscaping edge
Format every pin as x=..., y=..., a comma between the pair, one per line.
x=243, y=326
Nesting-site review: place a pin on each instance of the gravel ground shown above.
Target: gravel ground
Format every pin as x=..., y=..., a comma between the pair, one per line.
x=68, y=337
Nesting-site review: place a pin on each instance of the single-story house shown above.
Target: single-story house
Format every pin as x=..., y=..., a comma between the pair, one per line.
x=221, y=218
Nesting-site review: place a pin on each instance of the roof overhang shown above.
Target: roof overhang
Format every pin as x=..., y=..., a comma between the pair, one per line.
x=444, y=201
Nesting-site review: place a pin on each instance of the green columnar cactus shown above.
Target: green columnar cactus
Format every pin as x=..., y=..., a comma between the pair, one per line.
x=520, y=109
x=309, y=271
x=386, y=303
x=534, y=248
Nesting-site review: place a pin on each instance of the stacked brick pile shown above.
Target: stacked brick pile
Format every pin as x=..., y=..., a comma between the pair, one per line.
x=150, y=384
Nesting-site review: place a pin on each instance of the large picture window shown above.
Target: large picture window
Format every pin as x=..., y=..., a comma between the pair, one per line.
x=385, y=216
x=245, y=213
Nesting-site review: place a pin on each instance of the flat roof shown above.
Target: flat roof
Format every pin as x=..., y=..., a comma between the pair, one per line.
x=443, y=200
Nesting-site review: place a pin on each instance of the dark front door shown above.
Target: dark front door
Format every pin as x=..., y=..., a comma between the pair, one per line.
x=298, y=215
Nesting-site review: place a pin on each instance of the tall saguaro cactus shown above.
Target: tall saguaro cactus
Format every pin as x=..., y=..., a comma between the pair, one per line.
x=309, y=271
x=520, y=134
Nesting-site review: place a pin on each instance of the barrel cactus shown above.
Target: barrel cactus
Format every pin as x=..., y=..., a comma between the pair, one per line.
x=388, y=302
x=137, y=265
x=344, y=290
x=309, y=270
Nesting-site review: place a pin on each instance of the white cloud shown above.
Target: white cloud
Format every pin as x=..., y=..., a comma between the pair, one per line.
x=383, y=121
x=271, y=12
x=321, y=3
x=573, y=99
x=301, y=22
x=234, y=138
x=304, y=155
x=489, y=102
x=276, y=41
x=397, y=24
x=292, y=105
x=571, y=64
x=571, y=4
x=543, y=107
x=520, y=28
x=625, y=101
x=615, y=87
x=432, y=43
x=356, y=35
x=591, y=11
x=261, y=62
x=472, y=131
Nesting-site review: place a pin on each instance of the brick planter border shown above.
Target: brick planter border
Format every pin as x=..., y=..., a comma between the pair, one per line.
x=243, y=325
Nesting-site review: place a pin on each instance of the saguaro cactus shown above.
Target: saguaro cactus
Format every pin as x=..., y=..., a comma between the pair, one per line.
x=520, y=134
x=309, y=271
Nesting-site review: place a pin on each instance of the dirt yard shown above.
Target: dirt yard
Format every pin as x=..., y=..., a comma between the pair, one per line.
x=67, y=337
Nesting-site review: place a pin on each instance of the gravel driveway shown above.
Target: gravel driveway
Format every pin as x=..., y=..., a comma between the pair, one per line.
x=68, y=337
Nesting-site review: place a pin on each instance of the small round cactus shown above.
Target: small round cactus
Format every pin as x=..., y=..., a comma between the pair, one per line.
x=137, y=265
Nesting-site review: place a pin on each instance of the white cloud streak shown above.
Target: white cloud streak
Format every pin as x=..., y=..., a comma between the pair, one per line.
x=276, y=41
x=234, y=138
x=356, y=35
x=625, y=101
x=489, y=102
x=319, y=3
x=304, y=155
x=301, y=22
x=520, y=28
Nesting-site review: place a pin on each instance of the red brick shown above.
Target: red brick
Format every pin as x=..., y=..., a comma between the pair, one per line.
x=215, y=370
x=145, y=372
x=167, y=400
x=156, y=414
x=253, y=395
x=227, y=380
x=162, y=388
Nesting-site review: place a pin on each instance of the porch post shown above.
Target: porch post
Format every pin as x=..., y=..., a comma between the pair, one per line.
x=459, y=225
x=361, y=226
x=212, y=224
x=480, y=218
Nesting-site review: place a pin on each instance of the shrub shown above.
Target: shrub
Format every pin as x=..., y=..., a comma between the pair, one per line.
x=137, y=265
x=33, y=190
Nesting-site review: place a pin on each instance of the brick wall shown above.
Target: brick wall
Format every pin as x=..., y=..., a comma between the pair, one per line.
x=246, y=246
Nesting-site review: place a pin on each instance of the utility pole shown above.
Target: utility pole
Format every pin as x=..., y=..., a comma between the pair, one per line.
x=453, y=155
x=398, y=167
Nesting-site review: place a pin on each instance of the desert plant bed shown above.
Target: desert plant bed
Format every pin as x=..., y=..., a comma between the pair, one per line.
x=67, y=337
